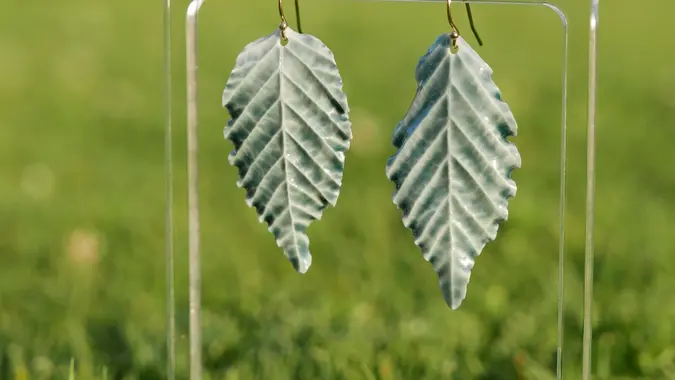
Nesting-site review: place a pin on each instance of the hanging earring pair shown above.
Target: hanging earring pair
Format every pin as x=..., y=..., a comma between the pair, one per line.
x=290, y=128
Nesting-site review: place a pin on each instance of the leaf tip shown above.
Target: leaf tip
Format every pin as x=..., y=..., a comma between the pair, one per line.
x=454, y=302
x=453, y=297
x=302, y=264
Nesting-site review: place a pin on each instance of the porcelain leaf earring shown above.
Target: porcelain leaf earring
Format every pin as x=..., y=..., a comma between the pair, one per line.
x=452, y=169
x=290, y=129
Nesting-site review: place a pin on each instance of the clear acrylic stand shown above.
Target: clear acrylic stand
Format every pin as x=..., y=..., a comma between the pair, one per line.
x=193, y=205
x=590, y=194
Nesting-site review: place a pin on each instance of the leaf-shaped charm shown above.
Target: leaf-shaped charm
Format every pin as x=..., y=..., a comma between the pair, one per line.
x=453, y=165
x=290, y=130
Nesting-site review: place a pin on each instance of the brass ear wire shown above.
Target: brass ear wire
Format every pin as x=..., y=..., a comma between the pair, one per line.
x=297, y=15
x=284, y=23
x=454, y=35
x=473, y=27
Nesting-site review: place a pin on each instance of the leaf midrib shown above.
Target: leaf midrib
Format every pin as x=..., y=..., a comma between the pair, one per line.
x=448, y=99
x=284, y=156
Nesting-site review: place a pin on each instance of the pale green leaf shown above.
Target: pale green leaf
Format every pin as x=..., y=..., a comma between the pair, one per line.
x=290, y=129
x=453, y=165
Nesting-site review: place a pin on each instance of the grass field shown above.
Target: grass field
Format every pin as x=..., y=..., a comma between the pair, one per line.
x=82, y=201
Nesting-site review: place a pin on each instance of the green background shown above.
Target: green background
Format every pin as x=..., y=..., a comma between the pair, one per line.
x=82, y=201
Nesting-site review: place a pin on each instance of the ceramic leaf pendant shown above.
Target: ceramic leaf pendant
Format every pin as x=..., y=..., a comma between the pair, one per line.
x=290, y=129
x=453, y=164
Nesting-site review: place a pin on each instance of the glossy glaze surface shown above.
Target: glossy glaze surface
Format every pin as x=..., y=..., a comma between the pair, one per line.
x=453, y=164
x=290, y=129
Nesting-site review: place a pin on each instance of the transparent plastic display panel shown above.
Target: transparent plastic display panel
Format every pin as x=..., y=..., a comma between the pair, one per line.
x=370, y=305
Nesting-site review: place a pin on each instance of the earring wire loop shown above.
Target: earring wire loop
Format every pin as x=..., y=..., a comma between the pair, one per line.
x=455, y=31
x=284, y=23
x=297, y=15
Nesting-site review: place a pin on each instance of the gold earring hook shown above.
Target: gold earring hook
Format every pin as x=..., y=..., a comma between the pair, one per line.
x=297, y=15
x=284, y=23
x=454, y=35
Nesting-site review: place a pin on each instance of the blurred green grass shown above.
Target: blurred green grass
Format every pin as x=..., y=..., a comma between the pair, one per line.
x=82, y=201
